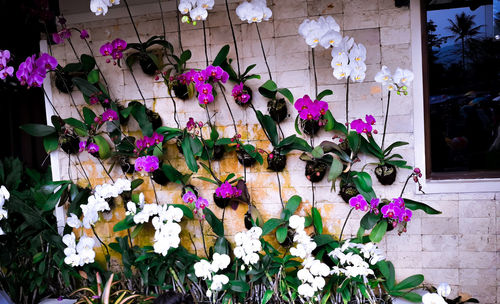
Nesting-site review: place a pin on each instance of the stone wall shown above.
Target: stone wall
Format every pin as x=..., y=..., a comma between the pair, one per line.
x=459, y=246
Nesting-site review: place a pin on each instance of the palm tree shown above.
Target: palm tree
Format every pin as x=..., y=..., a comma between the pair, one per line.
x=463, y=27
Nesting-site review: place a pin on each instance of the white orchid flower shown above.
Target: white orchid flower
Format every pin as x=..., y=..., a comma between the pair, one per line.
x=330, y=39
x=339, y=60
x=341, y=72
x=444, y=290
x=131, y=208
x=111, y=2
x=1, y=231
x=202, y=269
x=185, y=7
x=358, y=70
x=4, y=193
x=243, y=10
x=343, y=47
x=98, y=7
x=331, y=23
x=206, y=4
x=73, y=221
x=198, y=14
x=432, y=298
x=403, y=77
x=384, y=76
x=357, y=53
x=306, y=290
x=219, y=281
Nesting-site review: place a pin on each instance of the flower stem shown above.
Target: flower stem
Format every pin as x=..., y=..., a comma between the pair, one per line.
x=137, y=85
x=343, y=226
x=406, y=183
x=315, y=74
x=178, y=15
x=234, y=39
x=154, y=188
x=70, y=94
x=175, y=112
x=105, y=170
x=279, y=189
x=347, y=104
x=203, y=238
x=102, y=243
x=133, y=24
x=50, y=102
x=386, y=116
x=74, y=51
x=162, y=21
x=263, y=51
x=228, y=107
x=84, y=172
x=205, y=42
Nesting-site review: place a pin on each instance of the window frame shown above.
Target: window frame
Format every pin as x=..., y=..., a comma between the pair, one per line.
x=447, y=182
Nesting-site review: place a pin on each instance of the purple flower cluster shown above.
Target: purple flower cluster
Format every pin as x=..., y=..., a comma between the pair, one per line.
x=191, y=124
x=34, y=70
x=147, y=164
x=114, y=49
x=359, y=203
x=62, y=35
x=199, y=202
x=109, y=115
x=4, y=69
x=89, y=147
x=396, y=210
x=148, y=142
x=240, y=94
x=84, y=34
x=202, y=80
x=363, y=127
x=309, y=109
x=227, y=191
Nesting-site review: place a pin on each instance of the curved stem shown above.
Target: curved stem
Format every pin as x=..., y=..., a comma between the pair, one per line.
x=343, y=226
x=137, y=85
x=315, y=74
x=234, y=39
x=105, y=170
x=263, y=51
x=84, y=172
x=229, y=108
x=100, y=241
x=386, y=116
x=133, y=24
x=279, y=189
x=175, y=112
x=203, y=238
x=73, y=48
x=406, y=183
x=50, y=102
x=162, y=21
x=178, y=15
x=205, y=42
x=70, y=95
x=154, y=188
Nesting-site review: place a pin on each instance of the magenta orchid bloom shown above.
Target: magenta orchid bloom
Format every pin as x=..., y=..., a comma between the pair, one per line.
x=204, y=88
x=374, y=202
x=201, y=203
x=34, y=70
x=189, y=197
x=106, y=49
x=391, y=211
x=84, y=34
x=92, y=148
x=309, y=109
x=240, y=94
x=4, y=69
x=147, y=164
x=226, y=190
x=109, y=115
x=405, y=215
x=82, y=145
x=358, y=202
x=205, y=98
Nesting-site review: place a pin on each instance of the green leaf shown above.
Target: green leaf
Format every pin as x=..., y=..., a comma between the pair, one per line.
x=85, y=86
x=126, y=223
x=185, y=209
x=410, y=282
x=139, y=113
x=296, y=124
x=354, y=141
x=239, y=286
x=137, y=230
x=293, y=203
x=369, y=220
x=221, y=56
x=270, y=86
x=281, y=233
x=365, y=181
x=318, y=223
x=75, y=123
x=88, y=62
x=93, y=76
x=335, y=169
x=387, y=270
x=188, y=154
x=414, y=205
x=269, y=127
x=38, y=257
x=413, y=297
x=54, y=198
x=214, y=222
x=323, y=94
x=270, y=225
x=288, y=95
x=88, y=115
x=318, y=152
x=185, y=56
x=378, y=231
x=394, y=145
x=50, y=142
x=136, y=183
x=267, y=296
x=38, y=130
x=104, y=149
x=221, y=245
x=332, y=124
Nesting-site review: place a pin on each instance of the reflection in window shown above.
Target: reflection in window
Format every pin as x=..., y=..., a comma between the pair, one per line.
x=463, y=57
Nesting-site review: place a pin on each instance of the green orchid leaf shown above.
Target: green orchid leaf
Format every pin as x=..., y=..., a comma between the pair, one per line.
x=38, y=130
x=414, y=205
x=323, y=94
x=270, y=225
x=287, y=93
x=214, y=222
x=318, y=222
x=221, y=56
x=378, y=231
x=51, y=142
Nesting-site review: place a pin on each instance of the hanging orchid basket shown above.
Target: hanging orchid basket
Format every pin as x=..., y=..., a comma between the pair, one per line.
x=386, y=174
x=244, y=158
x=276, y=162
x=147, y=64
x=347, y=191
x=277, y=109
x=315, y=170
x=309, y=126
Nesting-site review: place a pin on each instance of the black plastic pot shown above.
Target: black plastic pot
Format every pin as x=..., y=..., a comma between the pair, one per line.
x=221, y=202
x=70, y=143
x=218, y=152
x=125, y=164
x=249, y=92
x=159, y=177
x=309, y=126
x=277, y=109
x=180, y=91
x=244, y=158
x=315, y=170
x=63, y=82
x=248, y=221
x=347, y=191
x=276, y=162
x=148, y=66
x=386, y=174
x=154, y=118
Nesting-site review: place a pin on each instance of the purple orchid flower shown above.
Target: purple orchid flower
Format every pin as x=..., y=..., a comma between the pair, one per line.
x=205, y=98
x=391, y=211
x=146, y=163
x=226, y=190
x=119, y=44
x=374, y=202
x=189, y=197
x=109, y=115
x=191, y=124
x=84, y=34
x=82, y=145
x=358, y=202
x=239, y=93
x=405, y=215
x=309, y=109
x=204, y=88
x=106, y=49
x=201, y=203
x=92, y=148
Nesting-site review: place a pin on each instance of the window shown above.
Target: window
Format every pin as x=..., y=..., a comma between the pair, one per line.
x=462, y=88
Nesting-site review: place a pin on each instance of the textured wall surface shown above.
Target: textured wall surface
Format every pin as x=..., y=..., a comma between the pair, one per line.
x=460, y=246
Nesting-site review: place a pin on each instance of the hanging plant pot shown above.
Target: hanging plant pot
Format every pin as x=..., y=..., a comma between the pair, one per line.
x=154, y=118
x=277, y=109
x=125, y=164
x=390, y=225
x=180, y=91
x=386, y=174
x=244, y=158
x=248, y=221
x=246, y=90
x=347, y=191
x=147, y=64
x=309, y=126
x=63, y=82
x=219, y=151
x=315, y=170
x=159, y=177
x=276, y=162
x=191, y=188
x=123, y=120
x=221, y=202
x=70, y=143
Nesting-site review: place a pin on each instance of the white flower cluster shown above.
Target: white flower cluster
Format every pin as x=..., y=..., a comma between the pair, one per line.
x=197, y=9
x=208, y=271
x=324, y=31
x=400, y=79
x=97, y=203
x=78, y=254
x=352, y=264
x=313, y=272
x=4, y=195
x=348, y=60
x=443, y=291
x=254, y=11
x=248, y=245
x=165, y=222
x=312, y=277
x=100, y=7
x=304, y=244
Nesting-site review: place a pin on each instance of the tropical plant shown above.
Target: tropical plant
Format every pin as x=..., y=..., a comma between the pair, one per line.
x=464, y=28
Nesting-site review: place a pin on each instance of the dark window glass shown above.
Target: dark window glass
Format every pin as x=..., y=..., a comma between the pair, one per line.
x=463, y=83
